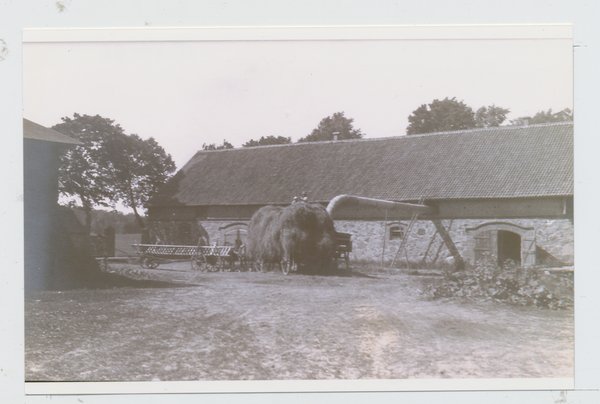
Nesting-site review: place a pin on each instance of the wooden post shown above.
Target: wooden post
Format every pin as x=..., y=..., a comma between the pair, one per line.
x=458, y=261
x=384, y=235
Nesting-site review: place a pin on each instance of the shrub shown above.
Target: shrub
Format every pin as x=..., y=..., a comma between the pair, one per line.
x=508, y=283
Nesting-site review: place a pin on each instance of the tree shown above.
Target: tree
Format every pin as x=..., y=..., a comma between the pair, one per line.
x=336, y=123
x=268, y=141
x=545, y=117
x=451, y=114
x=439, y=116
x=141, y=169
x=111, y=166
x=212, y=146
x=84, y=172
x=486, y=117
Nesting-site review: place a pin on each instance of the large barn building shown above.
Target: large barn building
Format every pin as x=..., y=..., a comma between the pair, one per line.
x=48, y=249
x=504, y=191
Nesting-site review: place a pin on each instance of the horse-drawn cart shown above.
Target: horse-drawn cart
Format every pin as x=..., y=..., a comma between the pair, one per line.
x=202, y=258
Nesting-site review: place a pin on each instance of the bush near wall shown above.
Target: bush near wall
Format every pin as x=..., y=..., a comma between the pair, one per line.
x=508, y=283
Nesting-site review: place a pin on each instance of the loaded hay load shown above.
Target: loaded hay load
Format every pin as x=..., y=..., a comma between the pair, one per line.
x=301, y=235
x=307, y=237
x=263, y=244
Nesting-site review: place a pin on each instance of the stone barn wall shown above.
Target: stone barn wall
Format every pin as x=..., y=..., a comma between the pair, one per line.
x=555, y=237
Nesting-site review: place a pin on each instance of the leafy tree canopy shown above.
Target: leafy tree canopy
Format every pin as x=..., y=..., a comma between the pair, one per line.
x=268, y=141
x=111, y=166
x=545, y=117
x=331, y=124
x=486, y=117
x=141, y=170
x=450, y=114
x=213, y=146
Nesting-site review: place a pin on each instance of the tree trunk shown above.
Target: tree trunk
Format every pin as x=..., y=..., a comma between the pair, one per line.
x=87, y=209
x=138, y=218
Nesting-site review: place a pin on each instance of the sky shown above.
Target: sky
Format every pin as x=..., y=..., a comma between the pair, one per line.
x=188, y=93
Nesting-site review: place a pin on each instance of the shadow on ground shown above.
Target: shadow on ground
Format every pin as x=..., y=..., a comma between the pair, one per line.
x=121, y=281
x=341, y=273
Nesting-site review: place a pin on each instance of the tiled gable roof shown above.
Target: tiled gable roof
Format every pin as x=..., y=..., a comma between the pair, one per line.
x=502, y=162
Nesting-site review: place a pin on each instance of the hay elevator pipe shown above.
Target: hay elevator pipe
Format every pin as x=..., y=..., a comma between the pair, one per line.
x=350, y=200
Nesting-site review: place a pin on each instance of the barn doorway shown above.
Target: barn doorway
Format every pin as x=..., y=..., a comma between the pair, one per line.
x=502, y=241
x=509, y=247
x=234, y=234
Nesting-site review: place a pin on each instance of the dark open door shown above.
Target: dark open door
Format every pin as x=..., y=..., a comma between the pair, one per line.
x=509, y=247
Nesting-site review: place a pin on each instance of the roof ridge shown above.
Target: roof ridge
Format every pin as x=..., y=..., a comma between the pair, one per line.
x=503, y=127
x=465, y=131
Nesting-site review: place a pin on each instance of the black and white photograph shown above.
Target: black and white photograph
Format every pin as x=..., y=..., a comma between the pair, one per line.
x=254, y=205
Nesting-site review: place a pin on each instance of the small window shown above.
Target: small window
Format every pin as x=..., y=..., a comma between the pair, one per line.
x=396, y=232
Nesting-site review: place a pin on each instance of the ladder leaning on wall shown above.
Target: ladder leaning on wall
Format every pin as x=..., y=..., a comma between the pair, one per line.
x=402, y=246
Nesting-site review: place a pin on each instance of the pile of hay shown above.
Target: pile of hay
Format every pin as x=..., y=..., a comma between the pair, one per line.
x=301, y=234
x=263, y=243
x=307, y=236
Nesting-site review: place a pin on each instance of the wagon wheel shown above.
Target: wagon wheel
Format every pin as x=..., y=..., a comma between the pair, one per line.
x=150, y=263
x=198, y=263
x=211, y=263
x=203, y=263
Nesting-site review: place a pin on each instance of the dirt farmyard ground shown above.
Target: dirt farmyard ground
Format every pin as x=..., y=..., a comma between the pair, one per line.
x=267, y=326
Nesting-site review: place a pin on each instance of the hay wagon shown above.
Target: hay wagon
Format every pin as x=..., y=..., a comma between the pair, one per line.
x=201, y=258
x=343, y=248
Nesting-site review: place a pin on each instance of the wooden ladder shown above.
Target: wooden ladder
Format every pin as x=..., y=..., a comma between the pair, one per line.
x=402, y=246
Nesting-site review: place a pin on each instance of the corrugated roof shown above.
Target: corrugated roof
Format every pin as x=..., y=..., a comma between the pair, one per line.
x=32, y=130
x=502, y=162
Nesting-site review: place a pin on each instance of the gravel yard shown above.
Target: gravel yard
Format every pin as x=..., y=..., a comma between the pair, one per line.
x=267, y=326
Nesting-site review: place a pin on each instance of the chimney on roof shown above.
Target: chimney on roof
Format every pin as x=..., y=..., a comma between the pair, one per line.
x=335, y=135
x=526, y=122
